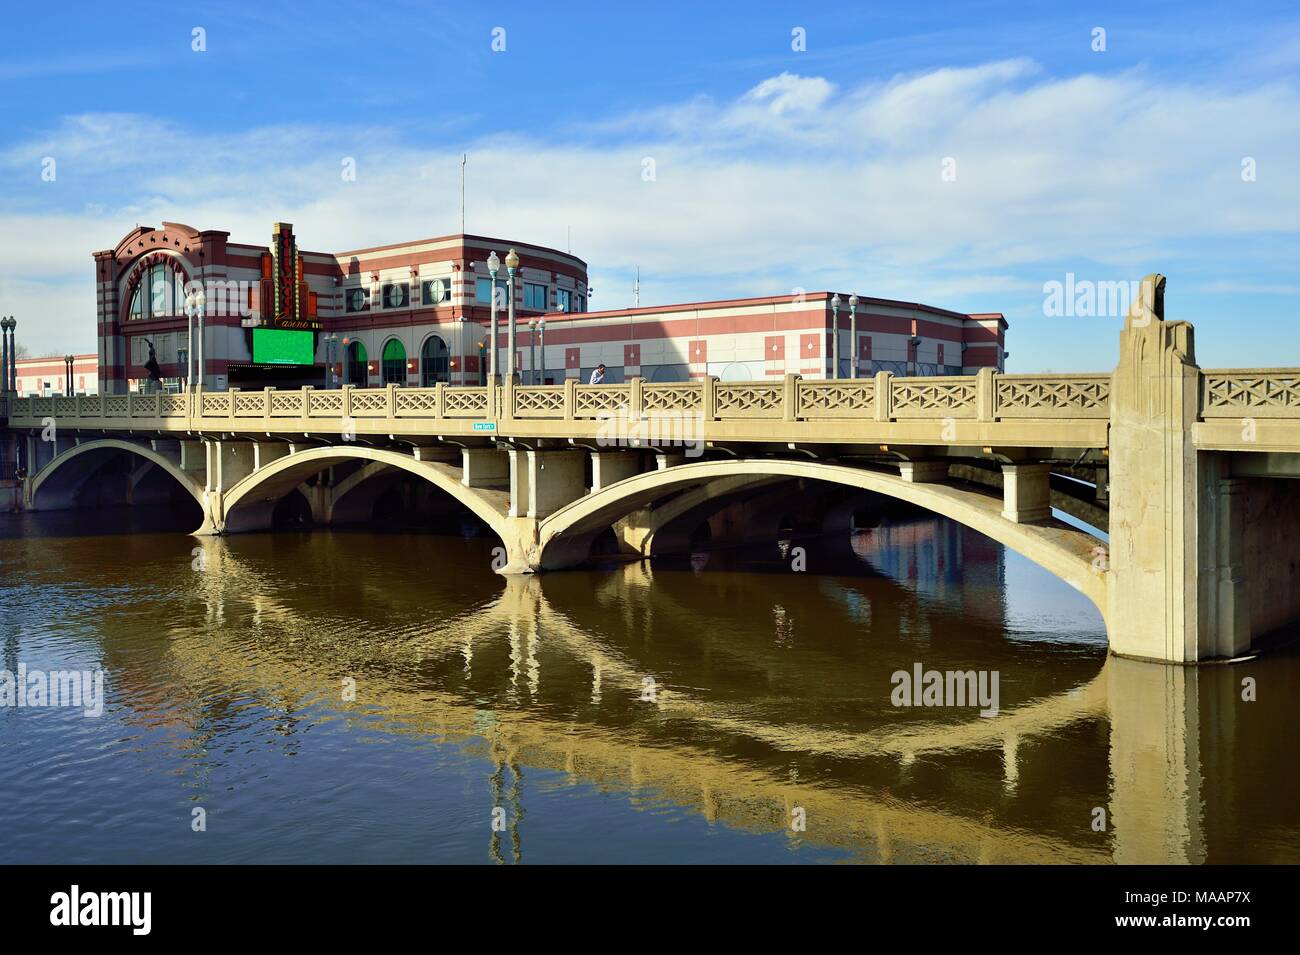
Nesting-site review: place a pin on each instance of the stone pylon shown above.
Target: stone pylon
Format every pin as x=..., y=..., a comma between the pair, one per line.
x=1154, y=569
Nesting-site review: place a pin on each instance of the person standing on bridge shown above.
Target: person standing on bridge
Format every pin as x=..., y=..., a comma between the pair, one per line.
x=597, y=375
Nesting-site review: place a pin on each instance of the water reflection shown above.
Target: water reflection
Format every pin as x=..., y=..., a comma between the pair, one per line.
x=723, y=687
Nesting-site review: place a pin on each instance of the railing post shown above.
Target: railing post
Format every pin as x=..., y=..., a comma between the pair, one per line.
x=347, y=400
x=986, y=395
x=230, y=408
x=509, y=395
x=266, y=405
x=440, y=399
x=884, y=382
x=709, y=397
x=130, y=406
x=77, y=405
x=636, y=398
x=570, y=399
x=305, y=404
x=392, y=400
x=790, y=397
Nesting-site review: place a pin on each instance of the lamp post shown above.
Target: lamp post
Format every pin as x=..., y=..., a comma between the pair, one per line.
x=512, y=263
x=4, y=356
x=532, y=350
x=11, y=357
x=835, y=335
x=194, y=304
x=853, y=335
x=493, y=264
x=331, y=350
x=68, y=361
x=541, y=348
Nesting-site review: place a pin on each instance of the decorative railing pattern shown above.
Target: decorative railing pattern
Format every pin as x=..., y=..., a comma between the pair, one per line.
x=933, y=398
x=1230, y=393
x=539, y=401
x=672, y=398
x=748, y=400
x=835, y=399
x=1052, y=396
x=1251, y=393
x=593, y=400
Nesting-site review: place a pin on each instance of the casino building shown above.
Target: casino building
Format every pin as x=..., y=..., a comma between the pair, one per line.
x=417, y=313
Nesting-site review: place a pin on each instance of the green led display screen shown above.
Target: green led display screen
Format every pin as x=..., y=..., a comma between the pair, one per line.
x=282, y=346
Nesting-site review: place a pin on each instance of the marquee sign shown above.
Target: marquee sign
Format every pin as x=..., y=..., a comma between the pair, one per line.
x=286, y=300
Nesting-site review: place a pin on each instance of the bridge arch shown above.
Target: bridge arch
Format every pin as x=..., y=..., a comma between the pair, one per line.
x=249, y=502
x=1064, y=551
x=59, y=481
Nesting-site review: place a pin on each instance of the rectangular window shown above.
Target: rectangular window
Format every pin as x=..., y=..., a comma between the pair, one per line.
x=582, y=303
x=563, y=300
x=535, y=296
x=435, y=291
x=483, y=291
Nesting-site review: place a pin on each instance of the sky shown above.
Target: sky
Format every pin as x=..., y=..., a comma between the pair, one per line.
x=964, y=155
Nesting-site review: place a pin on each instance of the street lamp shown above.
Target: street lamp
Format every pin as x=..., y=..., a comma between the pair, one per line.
x=194, y=304
x=532, y=350
x=512, y=263
x=493, y=264
x=541, y=347
x=853, y=335
x=331, y=350
x=9, y=371
x=344, y=360
x=68, y=361
x=835, y=335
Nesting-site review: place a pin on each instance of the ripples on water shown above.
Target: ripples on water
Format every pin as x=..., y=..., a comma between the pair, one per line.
x=770, y=695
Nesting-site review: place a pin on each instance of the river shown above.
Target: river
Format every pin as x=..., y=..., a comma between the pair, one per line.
x=379, y=696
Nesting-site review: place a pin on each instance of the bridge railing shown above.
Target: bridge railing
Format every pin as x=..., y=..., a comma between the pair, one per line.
x=988, y=396
x=1250, y=393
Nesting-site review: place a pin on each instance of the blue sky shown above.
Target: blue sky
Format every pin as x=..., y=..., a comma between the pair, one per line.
x=774, y=168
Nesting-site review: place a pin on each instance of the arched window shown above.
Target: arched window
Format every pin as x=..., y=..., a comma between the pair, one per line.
x=434, y=362
x=394, y=363
x=354, y=371
x=159, y=294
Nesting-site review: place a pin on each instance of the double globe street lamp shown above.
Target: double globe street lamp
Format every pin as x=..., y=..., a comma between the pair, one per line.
x=195, y=303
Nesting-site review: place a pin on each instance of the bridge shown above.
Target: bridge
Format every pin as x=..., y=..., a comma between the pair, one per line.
x=1182, y=477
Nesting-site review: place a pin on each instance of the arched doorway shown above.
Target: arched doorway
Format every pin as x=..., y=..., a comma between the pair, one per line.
x=354, y=371
x=393, y=368
x=434, y=362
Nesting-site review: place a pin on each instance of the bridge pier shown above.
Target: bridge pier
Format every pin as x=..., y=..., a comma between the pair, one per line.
x=1026, y=492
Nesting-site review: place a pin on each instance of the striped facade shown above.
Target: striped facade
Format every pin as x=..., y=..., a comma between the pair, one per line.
x=424, y=307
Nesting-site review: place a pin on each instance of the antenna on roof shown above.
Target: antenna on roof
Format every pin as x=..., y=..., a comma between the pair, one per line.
x=636, y=289
x=463, y=157
x=568, y=239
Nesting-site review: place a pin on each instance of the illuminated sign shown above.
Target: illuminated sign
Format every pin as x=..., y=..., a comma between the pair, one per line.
x=285, y=295
x=282, y=346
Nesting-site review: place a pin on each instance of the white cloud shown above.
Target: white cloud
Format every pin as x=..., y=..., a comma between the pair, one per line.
x=794, y=183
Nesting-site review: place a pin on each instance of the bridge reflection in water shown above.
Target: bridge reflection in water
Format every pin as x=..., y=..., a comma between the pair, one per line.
x=770, y=692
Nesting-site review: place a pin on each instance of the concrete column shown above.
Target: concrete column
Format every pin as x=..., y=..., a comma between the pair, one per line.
x=235, y=460
x=1026, y=492
x=670, y=460
x=1232, y=617
x=264, y=452
x=556, y=478
x=194, y=456
x=921, y=472
x=484, y=467
x=609, y=467
x=520, y=475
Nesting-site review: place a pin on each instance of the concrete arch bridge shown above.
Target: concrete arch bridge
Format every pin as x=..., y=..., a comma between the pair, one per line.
x=1190, y=473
